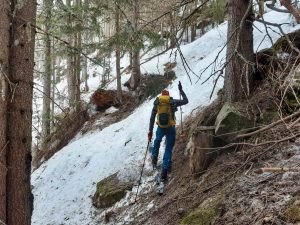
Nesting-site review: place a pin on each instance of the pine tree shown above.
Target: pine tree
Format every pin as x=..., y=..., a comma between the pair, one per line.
x=240, y=57
x=48, y=4
x=19, y=115
x=4, y=64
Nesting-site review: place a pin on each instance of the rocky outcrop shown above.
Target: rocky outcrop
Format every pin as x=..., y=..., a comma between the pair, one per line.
x=231, y=122
x=201, y=152
x=104, y=99
x=205, y=213
x=109, y=191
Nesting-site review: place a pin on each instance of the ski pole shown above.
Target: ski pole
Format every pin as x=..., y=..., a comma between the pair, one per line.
x=180, y=114
x=137, y=191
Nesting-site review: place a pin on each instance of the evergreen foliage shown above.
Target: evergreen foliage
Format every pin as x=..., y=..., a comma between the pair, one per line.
x=216, y=11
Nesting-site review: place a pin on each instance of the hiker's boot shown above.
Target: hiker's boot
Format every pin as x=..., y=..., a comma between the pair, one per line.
x=164, y=175
x=154, y=161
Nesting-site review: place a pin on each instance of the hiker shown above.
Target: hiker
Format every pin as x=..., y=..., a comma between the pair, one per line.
x=165, y=108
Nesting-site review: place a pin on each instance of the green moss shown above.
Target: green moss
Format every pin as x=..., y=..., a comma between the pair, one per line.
x=154, y=84
x=205, y=214
x=230, y=120
x=268, y=116
x=109, y=191
x=292, y=214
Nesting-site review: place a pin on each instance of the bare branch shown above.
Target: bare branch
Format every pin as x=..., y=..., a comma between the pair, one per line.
x=269, y=126
x=271, y=6
x=282, y=32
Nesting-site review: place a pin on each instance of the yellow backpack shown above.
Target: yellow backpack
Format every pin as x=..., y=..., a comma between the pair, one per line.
x=165, y=112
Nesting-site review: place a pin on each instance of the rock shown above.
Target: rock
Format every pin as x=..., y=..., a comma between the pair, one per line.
x=229, y=121
x=205, y=214
x=169, y=66
x=268, y=219
x=268, y=116
x=292, y=96
x=181, y=211
x=200, y=156
x=170, y=75
x=282, y=44
x=104, y=99
x=109, y=191
x=256, y=205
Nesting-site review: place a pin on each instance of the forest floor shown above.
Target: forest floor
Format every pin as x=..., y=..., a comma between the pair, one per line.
x=247, y=197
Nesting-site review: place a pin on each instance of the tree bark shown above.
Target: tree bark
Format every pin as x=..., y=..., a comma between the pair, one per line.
x=19, y=198
x=48, y=4
x=240, y=56
x=292, y=9
x=4, y=64
x=86, y=36
x=71, y=78
x=118, y=55
x=136, y=72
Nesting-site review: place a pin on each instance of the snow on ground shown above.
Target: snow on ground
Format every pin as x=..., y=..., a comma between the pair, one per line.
x=63, y=186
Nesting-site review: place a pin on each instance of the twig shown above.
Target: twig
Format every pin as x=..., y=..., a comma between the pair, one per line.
x=281, y=31
x=268, y=126
x=205, y=190
x=271, y=6
x=1, y=222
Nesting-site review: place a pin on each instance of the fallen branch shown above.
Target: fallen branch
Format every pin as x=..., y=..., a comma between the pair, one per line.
x=268, y=126
x=248, y=160
x=271, y=6
x=277, y=170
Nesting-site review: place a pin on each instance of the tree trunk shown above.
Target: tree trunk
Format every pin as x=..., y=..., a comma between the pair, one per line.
x=71, y=78
x=118, y=55
x=173, y=40
x=4, y=59
x=86, y=37
x=48, y=72
x=53, y=86
x=240, y=56
x=136, y=72
x=19, y=197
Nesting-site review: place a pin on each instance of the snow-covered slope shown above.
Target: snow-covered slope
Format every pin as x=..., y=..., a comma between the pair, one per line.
x=64, y=184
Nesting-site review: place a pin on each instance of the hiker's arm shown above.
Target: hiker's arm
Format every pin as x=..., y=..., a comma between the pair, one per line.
x=183, y=101
x=153, y=114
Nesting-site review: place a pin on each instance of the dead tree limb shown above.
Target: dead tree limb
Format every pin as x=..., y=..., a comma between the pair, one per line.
x=277, y=170
x=268, y=126
x=271, y=6
x=227, y=177
x=281, y=31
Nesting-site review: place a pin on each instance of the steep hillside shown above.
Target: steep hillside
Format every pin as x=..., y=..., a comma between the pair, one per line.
x=64, y=185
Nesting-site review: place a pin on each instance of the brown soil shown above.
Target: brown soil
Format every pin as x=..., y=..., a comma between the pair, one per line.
x=249, y=198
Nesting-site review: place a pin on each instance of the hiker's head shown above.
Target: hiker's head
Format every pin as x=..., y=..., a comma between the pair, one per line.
x=165, y=92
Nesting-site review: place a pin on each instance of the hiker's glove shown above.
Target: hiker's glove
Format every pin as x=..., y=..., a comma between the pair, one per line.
x=149, y=136
x=180, y=86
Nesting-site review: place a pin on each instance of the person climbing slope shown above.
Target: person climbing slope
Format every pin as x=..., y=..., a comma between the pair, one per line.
x=165, y=107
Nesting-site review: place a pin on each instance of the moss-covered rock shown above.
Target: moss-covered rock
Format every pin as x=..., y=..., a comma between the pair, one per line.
x=109, y=191
x=153, y=84
x=268, y=116
x=283, y=45
x=205, y=214
x=170, y=75
x=229, y=121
